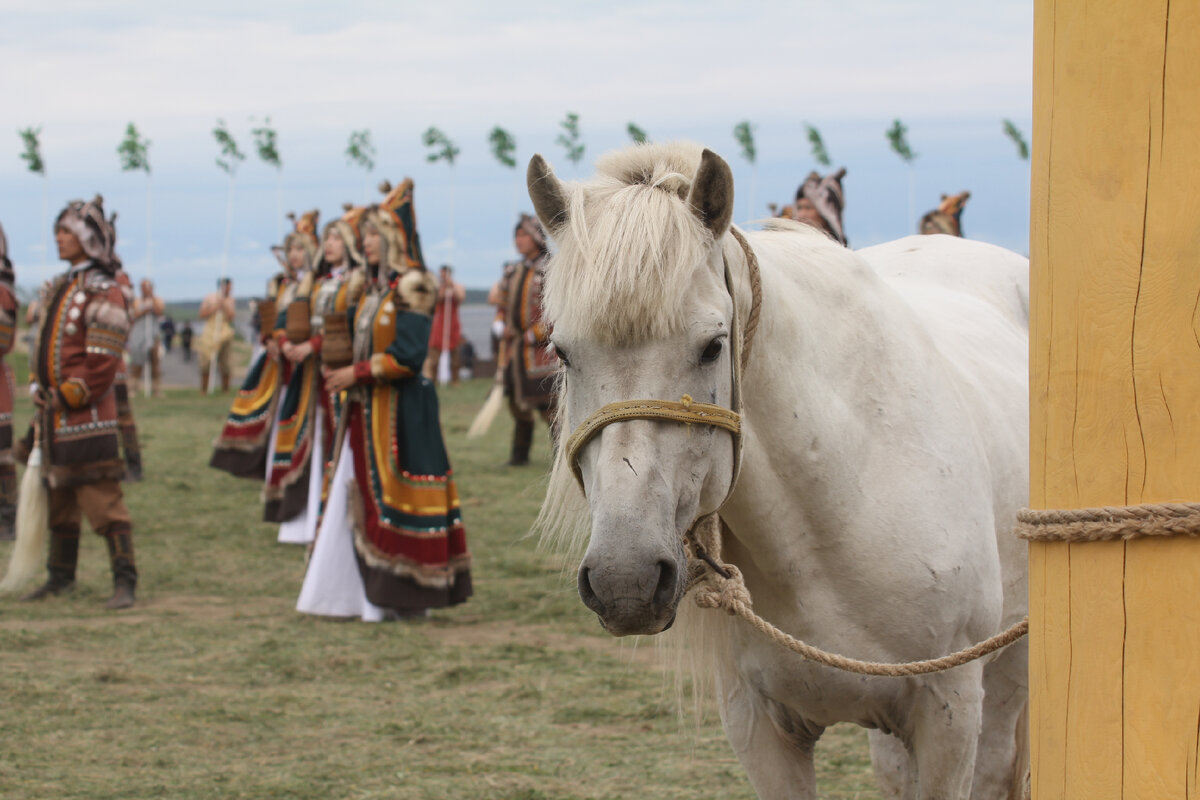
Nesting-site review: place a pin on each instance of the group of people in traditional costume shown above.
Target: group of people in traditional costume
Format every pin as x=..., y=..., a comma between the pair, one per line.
x=337, y=416
x=338, y=421
x=82, y=441
x=820, y=200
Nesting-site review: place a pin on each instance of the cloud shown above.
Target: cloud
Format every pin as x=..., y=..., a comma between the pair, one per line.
x=473, y=64
x=679, y=69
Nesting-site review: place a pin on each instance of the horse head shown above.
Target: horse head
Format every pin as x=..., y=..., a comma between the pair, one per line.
x=637, y=295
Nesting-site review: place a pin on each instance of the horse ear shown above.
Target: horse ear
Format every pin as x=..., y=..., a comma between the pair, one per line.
x=547, y=193
x=711, y=197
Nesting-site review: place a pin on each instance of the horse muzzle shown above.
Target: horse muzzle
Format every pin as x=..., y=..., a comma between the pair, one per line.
x=638, y=598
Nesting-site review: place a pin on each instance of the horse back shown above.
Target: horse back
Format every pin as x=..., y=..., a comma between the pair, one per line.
x=972, y=299
x=932, y=270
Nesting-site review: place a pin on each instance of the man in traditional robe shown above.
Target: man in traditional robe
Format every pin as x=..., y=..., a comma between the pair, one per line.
x=78, y=349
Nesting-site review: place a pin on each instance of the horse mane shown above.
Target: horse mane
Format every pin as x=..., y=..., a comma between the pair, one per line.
x=622, y=264
x=623, y=261
x=629, y=247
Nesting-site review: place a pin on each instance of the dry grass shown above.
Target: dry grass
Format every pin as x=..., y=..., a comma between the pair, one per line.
x=213, y=687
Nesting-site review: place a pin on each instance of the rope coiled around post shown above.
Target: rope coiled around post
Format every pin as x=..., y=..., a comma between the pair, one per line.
x=1109, y=523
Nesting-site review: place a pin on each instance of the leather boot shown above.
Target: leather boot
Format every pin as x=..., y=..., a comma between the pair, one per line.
x=8, y=503
x=521, y=442
x=133, y=466
x=64, y=553
x=120, y=553
x=8, y=522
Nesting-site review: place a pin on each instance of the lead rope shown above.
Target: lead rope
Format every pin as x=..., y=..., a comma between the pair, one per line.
x=720, y=585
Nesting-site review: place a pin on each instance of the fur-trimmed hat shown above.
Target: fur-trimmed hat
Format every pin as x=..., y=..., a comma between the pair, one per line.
x=347, y=229
x=304, y=231
x=531, y=226
x=827, y=197
x=398, y=203
x=96, y=234
x=947, y=217
x=396, y=220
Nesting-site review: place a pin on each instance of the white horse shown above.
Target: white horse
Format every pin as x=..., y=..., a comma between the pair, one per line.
x=884, y=457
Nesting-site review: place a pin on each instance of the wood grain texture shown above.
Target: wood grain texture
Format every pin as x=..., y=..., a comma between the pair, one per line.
x=1115, y=394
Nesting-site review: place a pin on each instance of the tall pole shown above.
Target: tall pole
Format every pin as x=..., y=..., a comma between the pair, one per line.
x=279, y=205
x=912, y=198
x=448, y=308
x=149, y=225
x=150, y=318
x=1115, y=397
x=45, y=227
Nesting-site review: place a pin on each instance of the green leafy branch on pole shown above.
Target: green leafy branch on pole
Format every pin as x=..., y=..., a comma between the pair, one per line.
x=360, y=151
x=571, y=138
x=266, y=142
x=819, y=153
x=743, y=132
x=638, y=135
x=896, y=136
x=444, y=149
x=231, y=156
x=503, y=146
x=33, y=150
x=134, y=151
x=1012, y=132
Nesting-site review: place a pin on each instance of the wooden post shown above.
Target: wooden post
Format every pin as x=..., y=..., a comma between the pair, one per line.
x=1115, y=395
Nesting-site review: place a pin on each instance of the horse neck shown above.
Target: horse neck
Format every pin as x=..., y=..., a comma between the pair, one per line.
x=832, y=348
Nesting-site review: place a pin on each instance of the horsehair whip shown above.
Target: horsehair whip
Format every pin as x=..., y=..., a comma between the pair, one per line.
x=32, y=528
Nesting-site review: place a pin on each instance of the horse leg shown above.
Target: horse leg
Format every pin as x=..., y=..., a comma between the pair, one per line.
x=947, y=715
x=1002, y=763
x=774, y=747
x=895, y=768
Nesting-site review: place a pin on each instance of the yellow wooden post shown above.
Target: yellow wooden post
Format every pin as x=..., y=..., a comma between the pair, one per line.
x=1115, y=394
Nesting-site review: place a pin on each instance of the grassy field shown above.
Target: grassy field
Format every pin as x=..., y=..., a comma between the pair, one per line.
x=214, y=687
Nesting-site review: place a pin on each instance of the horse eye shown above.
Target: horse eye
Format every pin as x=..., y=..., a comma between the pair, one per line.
x=711, y=352
x=562, y=356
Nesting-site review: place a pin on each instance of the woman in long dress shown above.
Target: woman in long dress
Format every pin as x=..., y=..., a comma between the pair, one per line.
x=246, y=443
x=391, y=541
x=324, y=296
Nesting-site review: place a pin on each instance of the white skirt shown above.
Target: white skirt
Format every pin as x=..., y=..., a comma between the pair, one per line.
x=302, y=528
x=333, y=586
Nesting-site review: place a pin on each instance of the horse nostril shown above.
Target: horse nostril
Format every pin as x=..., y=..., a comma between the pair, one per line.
x=586, y=593
x=664, y=592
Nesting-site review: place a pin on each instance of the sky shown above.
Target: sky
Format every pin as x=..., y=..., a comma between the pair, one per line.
x=81, y=71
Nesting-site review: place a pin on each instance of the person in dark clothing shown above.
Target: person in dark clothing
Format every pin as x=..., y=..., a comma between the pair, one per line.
x=168, y=332
x=185, y=340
